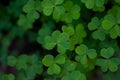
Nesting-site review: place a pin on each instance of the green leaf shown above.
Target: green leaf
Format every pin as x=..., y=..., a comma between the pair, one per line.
x=112, y=66
x=48, y=60
x=94, y=24
x=60, y=59
x=12, y=61
x=108, y=22
x=91, y=53
x=89, y=4
x=81, y=50
x=107, y=53
x=99, y=34
x=103, y=64
x=49, y=44
x=58, y=12
x=68, y=29
x=54, y=69
x=29, y=6
x=69, y=65
x=48, y=11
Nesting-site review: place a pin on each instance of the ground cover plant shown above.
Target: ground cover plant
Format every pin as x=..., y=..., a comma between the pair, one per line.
x=60, y=40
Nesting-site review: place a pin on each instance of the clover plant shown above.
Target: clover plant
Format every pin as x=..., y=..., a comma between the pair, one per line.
x=59, y=40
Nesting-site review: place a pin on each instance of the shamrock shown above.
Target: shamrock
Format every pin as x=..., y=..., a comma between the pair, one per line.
x=72, y=12
x=59, y=39
x=108, y=62
x=53, y=6
x=53, y=63
x=111, y=23
x=99, y=32
x=76, y=35
x=31, y=9
x=83, y=53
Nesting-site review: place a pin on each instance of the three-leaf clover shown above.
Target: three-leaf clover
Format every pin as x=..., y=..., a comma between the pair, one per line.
x=59, y=39
x=71, y=12
x=74, y=75
x=24, y=22
x=99, y=32
x=53, y=63
x=53, y=6
x=83, y=54
x=31, y=8
x=111, y=23
x=44, y=31
x=108, y=62
x=76, y=35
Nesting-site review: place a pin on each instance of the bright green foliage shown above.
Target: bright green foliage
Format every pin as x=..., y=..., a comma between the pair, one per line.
x=107, y=53
x=74, y=75
x=59, y=39
x=72, y=12
x=8, y=77
x=68, y=29
x=53, y=6
x=76, y=35
x=99, y=32
x=83, y=53
x=108, y=62
x=108, y=22
x=44, y=31
x=111, y=22
x=53, y=63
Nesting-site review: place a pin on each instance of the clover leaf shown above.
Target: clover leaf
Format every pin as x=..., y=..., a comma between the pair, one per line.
x=111, y=23
x=107, y=53
x=108, y=62
x=83, y=53
x=53, y=6
x=8, y=77
x=53, y=63
x=72, y=12
x=31, y=9
x=99, y=32
x=68, y=29
x=44, y=31
x=108, y=22
x=69, y=65
x=59, y=39
x=74, y=75
x=24, y=22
